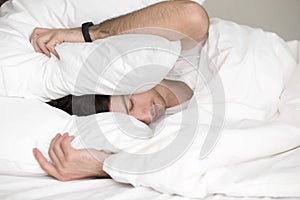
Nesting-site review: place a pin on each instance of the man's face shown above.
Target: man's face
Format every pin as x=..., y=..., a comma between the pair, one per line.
x=146, y=106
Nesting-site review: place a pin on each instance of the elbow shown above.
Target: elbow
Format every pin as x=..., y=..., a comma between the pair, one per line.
x=197, y=20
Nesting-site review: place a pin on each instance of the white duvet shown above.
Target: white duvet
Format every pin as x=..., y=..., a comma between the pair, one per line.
x=256, y=151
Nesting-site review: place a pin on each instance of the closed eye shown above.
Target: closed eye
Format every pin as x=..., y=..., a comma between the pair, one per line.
x=131, y=105
x=125, y=105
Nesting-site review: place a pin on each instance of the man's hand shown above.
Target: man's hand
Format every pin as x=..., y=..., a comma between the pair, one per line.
x=44, y=40
x=69, y=163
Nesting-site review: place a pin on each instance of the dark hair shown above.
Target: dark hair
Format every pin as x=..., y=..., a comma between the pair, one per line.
x=82, y=105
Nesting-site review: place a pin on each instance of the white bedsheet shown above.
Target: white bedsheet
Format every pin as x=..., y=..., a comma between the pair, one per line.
x=46, y=188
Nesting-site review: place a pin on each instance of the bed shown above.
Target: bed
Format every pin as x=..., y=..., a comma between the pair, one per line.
x=255, y=157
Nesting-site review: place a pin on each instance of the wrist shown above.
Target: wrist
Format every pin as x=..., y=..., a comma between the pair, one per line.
x=74, y=35
x=96, y=33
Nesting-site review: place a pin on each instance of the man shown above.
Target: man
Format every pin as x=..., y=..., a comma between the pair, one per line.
x=146, y=107
x=175, y=20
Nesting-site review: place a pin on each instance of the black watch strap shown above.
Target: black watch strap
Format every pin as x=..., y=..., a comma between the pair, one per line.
x=85, y=31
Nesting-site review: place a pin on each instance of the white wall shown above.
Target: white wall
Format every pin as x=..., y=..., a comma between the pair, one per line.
x=280, y=16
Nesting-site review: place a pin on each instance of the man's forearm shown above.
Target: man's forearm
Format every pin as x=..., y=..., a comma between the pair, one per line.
x=174, y=20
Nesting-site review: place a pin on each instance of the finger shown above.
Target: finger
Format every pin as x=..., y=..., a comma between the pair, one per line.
x=57, y=149
x=38, y=37
x=45, y=164
x=42, y=45
x=51, y=152
x=41, y=41
x=35, y=45
x=33, y=34
x=66, y=145
x=51, y=48
x=55, y=53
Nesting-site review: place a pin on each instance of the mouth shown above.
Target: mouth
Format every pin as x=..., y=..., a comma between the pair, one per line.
x=156, y=111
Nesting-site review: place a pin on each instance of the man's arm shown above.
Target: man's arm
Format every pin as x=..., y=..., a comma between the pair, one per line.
x=175, y=20
x=69, y=163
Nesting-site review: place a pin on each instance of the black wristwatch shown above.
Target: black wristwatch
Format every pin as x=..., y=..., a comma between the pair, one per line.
x=85, y=31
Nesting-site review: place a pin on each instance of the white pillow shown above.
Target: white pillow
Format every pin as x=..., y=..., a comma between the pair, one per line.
x=26, y=124
x=29, y=123
x=121, y=64
x=20, y=64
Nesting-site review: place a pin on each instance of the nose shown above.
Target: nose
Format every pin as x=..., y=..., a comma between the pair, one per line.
x=143, y=116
